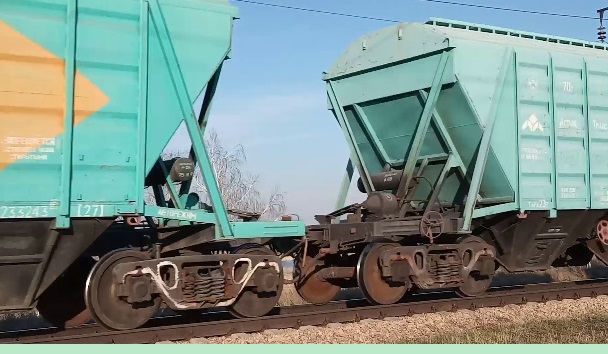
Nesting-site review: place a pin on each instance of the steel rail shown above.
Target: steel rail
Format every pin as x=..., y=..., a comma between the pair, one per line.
x=218, y=324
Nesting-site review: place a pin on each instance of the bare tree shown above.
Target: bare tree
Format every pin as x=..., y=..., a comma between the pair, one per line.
x=239, y=190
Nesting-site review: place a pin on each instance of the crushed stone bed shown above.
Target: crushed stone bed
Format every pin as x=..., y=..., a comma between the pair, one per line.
x=399, y=329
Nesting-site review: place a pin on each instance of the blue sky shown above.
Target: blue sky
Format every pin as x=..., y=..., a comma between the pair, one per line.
x=271, y=98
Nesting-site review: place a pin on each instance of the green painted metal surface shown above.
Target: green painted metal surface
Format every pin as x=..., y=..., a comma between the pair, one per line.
x=92, y=91
x=523, y=116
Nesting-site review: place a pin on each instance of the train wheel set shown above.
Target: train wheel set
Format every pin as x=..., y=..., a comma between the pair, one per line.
x=125, y=287
x=477, y=148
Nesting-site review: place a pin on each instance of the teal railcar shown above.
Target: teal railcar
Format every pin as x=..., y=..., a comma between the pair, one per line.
x=91, y=92
x=477, y=146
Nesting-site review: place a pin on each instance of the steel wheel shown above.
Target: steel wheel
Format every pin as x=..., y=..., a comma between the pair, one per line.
x=62, y=304
x=250, y=302
x=475, y=284
x=375, y=288
x=601, y=231
x=107, y=309
x=309, y=286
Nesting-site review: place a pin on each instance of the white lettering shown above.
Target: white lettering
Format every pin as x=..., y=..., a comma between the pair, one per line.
x=90, y=210
x=23, y=212
x=16, y=140
x=178, y=214
x=540, y=204
x=54, y=204
x=599, y=125
x=568, y=192
x=528, y=153
x=568, y=124
x=21, y=147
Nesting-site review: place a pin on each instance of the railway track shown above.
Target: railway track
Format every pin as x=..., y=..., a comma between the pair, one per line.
x=179, y=328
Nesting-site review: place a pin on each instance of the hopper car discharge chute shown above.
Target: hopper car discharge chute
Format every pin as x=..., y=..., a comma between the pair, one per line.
x=478, y=147
x=91, y=93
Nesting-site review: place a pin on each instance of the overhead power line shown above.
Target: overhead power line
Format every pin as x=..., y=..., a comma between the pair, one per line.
x=318, y=11
x=445, y=2
x=487, y=7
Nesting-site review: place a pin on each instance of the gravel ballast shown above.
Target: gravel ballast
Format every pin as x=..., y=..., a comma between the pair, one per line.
x=396, y=330
x=400, y=329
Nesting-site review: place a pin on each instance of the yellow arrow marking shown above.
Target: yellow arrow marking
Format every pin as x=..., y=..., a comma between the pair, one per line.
x=32, y=98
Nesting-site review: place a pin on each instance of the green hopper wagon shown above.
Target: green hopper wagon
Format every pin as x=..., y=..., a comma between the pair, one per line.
x=91, y=92
x=477, y=147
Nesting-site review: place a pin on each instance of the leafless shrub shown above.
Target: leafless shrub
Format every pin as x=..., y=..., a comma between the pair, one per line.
x=239, y=189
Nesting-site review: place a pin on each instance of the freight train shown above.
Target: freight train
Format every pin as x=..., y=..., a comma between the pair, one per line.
x=477, y=148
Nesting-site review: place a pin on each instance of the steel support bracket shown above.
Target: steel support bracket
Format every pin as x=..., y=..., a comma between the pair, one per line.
x=350, y=137
x=484, y=144
x=422, y=128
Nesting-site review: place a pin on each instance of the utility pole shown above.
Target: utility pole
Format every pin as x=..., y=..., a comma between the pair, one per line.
x=601, y=31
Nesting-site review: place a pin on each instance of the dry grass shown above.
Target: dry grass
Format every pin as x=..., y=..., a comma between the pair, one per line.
x=565, y=331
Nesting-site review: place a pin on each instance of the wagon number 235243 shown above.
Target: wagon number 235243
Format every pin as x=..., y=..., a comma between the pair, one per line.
x=27, y=211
